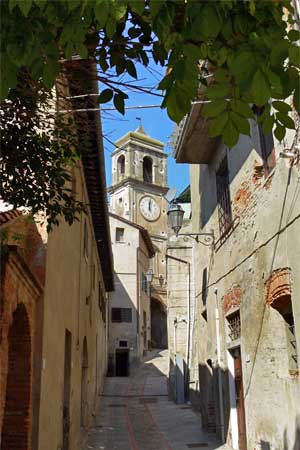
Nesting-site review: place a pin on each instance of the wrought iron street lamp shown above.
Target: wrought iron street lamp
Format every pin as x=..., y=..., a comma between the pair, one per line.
x=175, y=221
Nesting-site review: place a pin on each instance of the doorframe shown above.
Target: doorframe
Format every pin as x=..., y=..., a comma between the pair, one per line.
x=123, y=350
x=232, y=400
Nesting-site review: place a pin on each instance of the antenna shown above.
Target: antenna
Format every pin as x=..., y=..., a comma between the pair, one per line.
x=170, y=195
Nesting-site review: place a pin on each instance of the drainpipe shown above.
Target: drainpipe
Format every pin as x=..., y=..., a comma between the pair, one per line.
x=183, y=261
x=219, y=367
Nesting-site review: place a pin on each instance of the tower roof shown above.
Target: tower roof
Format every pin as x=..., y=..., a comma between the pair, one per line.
x=140, y=135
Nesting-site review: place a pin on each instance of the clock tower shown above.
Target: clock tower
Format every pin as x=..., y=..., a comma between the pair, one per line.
x=139, y=183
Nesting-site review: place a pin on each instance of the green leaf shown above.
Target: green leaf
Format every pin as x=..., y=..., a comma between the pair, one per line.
x=130, y=67
x=285, y=120
x=110, y=27
x=105, y=96
x=296, y=99
x=294, y=54
x=267, y=125
x=119, y=103
x=101, y=10
x=214, y=108
x=281, y=106
x=207, y=23
x=119, y=10
x=279, y=132
x=279, y=52
x=12, y=4
x=294, y=35
x=241, y=124
x=230, y=134
x=25, y=6
x=138, y=6
x=217, y=91
x=217, y=125
x=82, y=50
x=242, y=108
x=260, y=88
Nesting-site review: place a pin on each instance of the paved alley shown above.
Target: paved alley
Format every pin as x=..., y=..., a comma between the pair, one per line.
x=136, y=414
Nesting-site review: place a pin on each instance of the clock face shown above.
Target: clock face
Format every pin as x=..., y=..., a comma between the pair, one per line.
x=149, y=208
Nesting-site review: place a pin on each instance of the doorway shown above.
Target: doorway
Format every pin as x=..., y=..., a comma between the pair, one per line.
x=16, y=417
x=122, y=363
x=159, y=333
x=237, y=399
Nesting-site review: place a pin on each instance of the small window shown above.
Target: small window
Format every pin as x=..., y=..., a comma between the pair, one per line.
x=234, y=325
x=119, y=234
x=144, y=283
x=123, y=344
x=223, y=197
x=121, y=165
x=85, y=241
x=121, y=315
x=147, y=170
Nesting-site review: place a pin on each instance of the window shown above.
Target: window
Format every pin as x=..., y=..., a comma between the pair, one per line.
x=121, y=315
x=144, y=283
x=123, y=344
x=147, y=169
x=121, y=165
x=284, y=306
x=234, y=325
x=85, y=241
x=223, y=197
x=266, y=143
x=119, y=234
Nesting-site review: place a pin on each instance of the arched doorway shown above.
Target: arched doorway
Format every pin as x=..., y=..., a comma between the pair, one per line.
x=159, y=333
x=84, y=384
x=16, y=417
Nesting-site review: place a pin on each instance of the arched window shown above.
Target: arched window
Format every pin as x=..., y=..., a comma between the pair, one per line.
x=121, y=165
x=147, y=169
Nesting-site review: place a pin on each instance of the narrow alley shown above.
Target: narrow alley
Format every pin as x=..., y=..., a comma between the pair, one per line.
x=137, y=414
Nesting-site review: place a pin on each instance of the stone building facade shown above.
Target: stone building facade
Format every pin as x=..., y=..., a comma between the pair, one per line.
x=129, y=306
x=21, y=319
x=139, y=183
x=244, y=366
x=54, y=325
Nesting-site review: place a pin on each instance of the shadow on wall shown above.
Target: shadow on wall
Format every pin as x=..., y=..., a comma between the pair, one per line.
x=295, y=445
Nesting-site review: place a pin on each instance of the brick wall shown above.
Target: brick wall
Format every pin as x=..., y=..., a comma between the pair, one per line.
x=20, y=292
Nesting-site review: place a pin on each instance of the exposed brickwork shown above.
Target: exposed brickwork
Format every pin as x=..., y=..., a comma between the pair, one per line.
x=242, y=197
x=232, y=299
x=278, y=285
x=20, y=292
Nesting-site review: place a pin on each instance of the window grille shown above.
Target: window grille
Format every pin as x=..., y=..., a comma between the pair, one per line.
x=293, y=343
x=144, y=283
x=223, y=197
x=121, y=315
x=234, y=326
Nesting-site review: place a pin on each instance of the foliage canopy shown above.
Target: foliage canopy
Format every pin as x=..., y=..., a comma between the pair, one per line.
x=233, y=53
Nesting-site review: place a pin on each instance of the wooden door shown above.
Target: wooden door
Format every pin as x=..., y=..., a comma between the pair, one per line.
x=238, y=379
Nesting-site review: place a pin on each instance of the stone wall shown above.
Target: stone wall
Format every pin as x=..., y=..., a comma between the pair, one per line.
x=256, y=262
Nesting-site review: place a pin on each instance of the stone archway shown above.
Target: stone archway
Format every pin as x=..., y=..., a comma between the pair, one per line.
x=159, y=331
x=16, y=417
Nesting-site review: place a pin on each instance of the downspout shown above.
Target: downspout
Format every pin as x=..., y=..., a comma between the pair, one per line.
x=218, y=341
x=183, y=261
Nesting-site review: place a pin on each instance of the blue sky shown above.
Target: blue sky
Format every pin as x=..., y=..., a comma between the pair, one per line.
x=155, y=122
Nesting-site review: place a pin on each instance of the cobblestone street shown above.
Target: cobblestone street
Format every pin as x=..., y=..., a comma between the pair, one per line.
x=136, y=414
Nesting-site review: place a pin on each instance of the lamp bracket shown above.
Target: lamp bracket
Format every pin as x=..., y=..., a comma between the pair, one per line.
x=196, y=236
